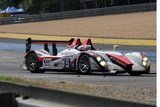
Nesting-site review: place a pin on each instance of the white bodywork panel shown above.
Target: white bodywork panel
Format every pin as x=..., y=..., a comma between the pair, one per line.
x=64, y=61
x=94, y=65
x=136, y=59
x=49, y=64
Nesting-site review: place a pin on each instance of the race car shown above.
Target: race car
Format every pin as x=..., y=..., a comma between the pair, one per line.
x=83, y=58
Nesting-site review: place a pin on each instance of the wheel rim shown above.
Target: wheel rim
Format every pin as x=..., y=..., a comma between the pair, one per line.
x=32, y=61
x=84, y=64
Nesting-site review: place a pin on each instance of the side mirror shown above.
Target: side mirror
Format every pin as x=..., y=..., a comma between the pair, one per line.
x=115, y=47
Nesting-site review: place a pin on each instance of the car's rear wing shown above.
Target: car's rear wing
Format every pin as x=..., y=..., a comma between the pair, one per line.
x=29, y=43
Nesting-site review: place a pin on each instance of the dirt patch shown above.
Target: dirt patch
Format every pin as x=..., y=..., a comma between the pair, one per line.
x=131, y=25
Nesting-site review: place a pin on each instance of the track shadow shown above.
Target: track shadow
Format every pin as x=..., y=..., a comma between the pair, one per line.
x=100, y=74
x=92, y=74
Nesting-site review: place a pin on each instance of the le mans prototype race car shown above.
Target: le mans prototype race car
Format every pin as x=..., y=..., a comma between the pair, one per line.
x=83, y=58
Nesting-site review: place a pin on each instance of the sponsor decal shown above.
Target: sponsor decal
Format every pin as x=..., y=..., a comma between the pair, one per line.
x=47, y=63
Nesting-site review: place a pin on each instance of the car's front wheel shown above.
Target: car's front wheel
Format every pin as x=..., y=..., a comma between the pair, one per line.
x=84, y=64
x=32, y=63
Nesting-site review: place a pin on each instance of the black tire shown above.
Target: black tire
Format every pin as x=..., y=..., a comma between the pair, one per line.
x=148, y=70
x=134, y=73
x=84, y=64
x=32, y=63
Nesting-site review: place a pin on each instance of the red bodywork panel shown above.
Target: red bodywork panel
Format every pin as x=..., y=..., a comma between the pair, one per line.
x=76, y=42
x=40, y=59
x=120, y=59
x=87, y=42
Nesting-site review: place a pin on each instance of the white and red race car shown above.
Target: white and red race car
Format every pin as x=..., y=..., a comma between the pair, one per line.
x=83, y=58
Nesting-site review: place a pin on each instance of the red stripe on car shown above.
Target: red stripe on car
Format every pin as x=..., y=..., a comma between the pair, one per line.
x=40, y=59
x=122, y=60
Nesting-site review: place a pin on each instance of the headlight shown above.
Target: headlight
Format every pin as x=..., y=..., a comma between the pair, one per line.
x=103, y=63
x=145, y=59
x=99, y=58
x=146, y=62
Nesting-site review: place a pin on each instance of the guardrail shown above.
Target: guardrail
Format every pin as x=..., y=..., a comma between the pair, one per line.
x=79, y=13
x=64, y=98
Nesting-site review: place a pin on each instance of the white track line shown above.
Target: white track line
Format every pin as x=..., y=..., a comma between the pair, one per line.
x=7, y=57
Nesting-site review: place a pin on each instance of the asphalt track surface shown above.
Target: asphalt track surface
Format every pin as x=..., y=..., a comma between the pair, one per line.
x=11, y=60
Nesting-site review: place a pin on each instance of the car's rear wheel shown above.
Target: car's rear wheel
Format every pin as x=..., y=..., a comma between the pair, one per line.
x=32, y=63
x=84, y=64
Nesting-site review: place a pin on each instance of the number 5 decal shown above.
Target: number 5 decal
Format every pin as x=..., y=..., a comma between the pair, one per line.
x=67, y=63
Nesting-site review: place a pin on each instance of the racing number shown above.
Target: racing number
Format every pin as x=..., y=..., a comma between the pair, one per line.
x=67, y=63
